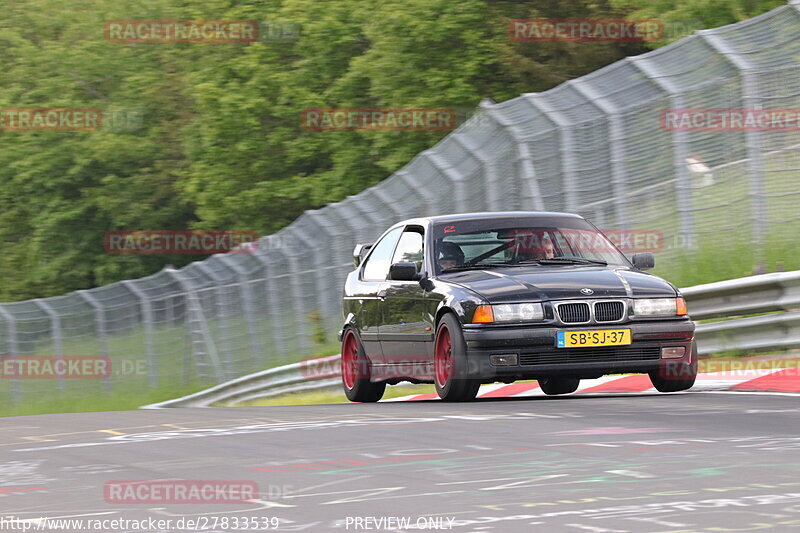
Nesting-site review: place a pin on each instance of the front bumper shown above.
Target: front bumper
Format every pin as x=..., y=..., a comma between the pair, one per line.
x=538, y=356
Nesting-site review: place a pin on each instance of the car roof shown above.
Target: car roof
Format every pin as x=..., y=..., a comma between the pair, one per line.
x=487, y=215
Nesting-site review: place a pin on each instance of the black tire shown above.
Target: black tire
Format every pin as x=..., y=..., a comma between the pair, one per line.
x=674, y=376
x=356, y=371
x=453, y=384
x=554, y=386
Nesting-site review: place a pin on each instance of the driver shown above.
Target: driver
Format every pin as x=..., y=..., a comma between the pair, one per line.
x=450, y=255
x=548, y=250
x=544, y=249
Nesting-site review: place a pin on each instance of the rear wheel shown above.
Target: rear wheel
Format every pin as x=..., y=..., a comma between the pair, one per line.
x=554, y=386
x=356, y=371
x=450, y=363
x=674, y=376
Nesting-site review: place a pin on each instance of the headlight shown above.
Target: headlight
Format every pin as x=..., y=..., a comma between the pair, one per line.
x=659, y=307
x=508, y=313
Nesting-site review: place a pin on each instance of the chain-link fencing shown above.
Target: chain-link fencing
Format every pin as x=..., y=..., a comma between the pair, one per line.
x=596, y=146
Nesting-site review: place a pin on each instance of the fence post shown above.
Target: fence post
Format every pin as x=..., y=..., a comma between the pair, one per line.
x=334, y=307
x=619, y=172
x=194, y=314
x=303, y=339
x=415, y=185
x=527, y=168
x=750, y=95
x=247, y=303
x=326, y=304
x=455, y=177
x=99, y=327
x=374, y=215
x=492, y=198
x=225, y=334
x=683, y=186
x=12, y=347
x=384, y=197
x=147, y=322
x=564, y=125
x=55, y=328
x=275, y=312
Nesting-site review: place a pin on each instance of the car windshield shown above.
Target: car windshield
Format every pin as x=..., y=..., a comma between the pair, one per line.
x=476, y=243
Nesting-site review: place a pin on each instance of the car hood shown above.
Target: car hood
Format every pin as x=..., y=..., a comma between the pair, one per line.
x=518, y=284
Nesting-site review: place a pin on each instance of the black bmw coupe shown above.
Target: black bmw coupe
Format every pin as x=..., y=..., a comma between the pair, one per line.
x=461, y=300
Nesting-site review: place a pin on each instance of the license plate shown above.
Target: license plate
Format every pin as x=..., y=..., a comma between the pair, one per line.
x=595, y=337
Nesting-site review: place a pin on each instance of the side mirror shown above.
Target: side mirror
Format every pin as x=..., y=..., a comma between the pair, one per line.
x=403, y=272
x=360, y=251
x=644, y=260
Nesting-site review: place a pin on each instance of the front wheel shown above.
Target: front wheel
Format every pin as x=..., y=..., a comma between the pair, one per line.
x=450, y=363
x=356, y=371
x=674, y=376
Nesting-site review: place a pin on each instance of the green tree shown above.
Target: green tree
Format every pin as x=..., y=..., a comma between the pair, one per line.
x=220, y=144
x=684, y=16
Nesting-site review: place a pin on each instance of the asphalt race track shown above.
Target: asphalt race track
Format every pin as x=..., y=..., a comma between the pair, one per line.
x=683, y=462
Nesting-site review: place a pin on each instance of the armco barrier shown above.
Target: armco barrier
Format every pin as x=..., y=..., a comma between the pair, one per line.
x=777, y=294
x=305, y=375
x=744, y=296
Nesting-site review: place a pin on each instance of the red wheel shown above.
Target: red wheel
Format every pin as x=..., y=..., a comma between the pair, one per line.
x=450, y=368
x=349, y=360
x=356, y=371
x=443, y=357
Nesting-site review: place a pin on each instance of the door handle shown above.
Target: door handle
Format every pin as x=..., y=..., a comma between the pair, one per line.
x=382, y=294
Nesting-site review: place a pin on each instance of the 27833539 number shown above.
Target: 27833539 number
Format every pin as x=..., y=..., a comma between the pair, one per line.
x=232, y=523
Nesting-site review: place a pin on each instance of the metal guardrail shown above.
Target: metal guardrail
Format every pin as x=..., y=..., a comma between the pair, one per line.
x=313, y=374
x=744, y=296
x=777, y=294
x=767, y=332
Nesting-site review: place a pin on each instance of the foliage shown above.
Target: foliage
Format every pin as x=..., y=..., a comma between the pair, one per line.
x=680, y=18
x=216, y=142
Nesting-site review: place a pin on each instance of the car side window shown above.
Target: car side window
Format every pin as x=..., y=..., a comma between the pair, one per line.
x=377, y=266
x=410, y=249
